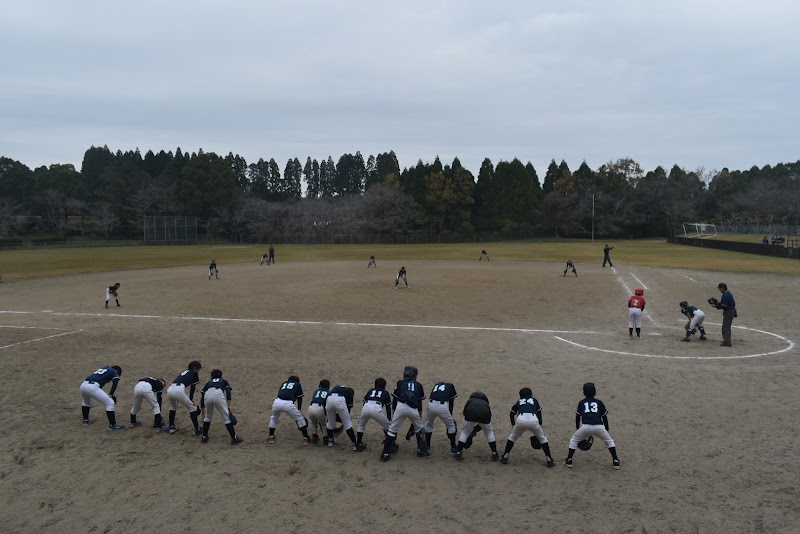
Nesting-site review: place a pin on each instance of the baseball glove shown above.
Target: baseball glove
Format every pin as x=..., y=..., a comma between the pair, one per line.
x=114, y=398
x=586, y=444
x=115, y=294
x=233, y=419
x=713, y=301
x=535, y=443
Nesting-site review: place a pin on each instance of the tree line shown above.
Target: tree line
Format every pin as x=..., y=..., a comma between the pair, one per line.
x=113, y=191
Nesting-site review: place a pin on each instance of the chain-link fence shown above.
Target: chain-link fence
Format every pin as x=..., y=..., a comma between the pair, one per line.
x=169, y=229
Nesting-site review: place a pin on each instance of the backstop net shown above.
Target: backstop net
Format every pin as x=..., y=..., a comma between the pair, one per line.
x=169, y=229
x=699, y=230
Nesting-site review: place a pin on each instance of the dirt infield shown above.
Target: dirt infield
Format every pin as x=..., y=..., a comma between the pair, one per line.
x=703, y=431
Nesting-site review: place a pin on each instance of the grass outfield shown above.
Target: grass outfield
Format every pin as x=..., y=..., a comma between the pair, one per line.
x=27, y=263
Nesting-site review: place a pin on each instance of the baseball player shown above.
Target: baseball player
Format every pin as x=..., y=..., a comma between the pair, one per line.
x=401, y=275
x=372, y=262
x=149, y=389
x=212, y=270
x=339, y=403
x=92, y=388
x=636, y=306
x=406, y=404
x=176, y=393
x=264, y=259
x=111, y=291
x=570, y=265
x=696, y=318
x=607, y=256
x=316, y=410
x=290, y=392
x=484, y=255
x=526, y=414
x=216, y=395
x=440, y=404
x=591, y=419
x=375, y=402
x=476, y=412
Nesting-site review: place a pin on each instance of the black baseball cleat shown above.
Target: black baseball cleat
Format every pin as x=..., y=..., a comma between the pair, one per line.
x=458, y=456
x=422, y=453
x=237, y=440
x=495, y=456
x=615, y=464
x=686, y=339
x=360, y=447
x=204, y=439
x=315, y=439
x=568, y=462
x=385, y=457
x=703, y=338
x=504, y=459
x=551, y=462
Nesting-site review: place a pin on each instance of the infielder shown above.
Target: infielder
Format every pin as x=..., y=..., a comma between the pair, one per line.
x=177, y=394
x=149, y=389
x=570, y=265
x=526, y=415
x=111, y=291
x=636, y=306
x=591, y=419
x=406, y=404
x=477, y=412
x=92, y=388
x=216, y=395
x=212, y=270
x=340, y=401
x=401, y=275
x=696, y=318
x=290, y=392
x=372, y=262
x=440, y=405
x=316, y=410
x=484, y=255
x=264, y=259
x=375, y=402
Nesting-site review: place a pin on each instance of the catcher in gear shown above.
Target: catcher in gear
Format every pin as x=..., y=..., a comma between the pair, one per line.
x=695, y=323
x=591, y=420
x=111, y=291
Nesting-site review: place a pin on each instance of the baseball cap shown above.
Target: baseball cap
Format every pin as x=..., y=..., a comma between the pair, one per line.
x=722, y=285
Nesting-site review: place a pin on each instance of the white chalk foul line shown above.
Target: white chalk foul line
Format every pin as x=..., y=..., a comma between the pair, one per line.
x=789, y=342
x=690, y=278
x=640, y=282
x=40, y=339
x=32, y=327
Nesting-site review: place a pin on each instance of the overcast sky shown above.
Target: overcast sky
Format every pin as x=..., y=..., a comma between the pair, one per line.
x=697, y=83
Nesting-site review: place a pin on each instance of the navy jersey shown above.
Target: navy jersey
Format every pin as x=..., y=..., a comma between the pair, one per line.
x=320, y=397
x=103, y=376
x=401, y=273
x=409, y=392
x=219, y=383
x=290, y=391
x=526, y=405
x=444, y=392
x=378, y=395
x=112, y=289
x=187, y=378
x=213, y=266
x=155, y=382
x=345, y=392
x=591, y=411
x=689, y=311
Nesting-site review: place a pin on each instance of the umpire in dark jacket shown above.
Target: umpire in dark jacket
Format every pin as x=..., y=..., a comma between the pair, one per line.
x=728, y=307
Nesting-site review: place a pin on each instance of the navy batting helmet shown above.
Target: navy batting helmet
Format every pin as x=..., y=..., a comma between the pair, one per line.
x=410, y=372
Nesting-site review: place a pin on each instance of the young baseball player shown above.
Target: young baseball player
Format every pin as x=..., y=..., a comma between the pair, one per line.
x=92, y=388
x=696, y=318
x=212, y=270
x=570, y=265
x=375, y=402
x=290, y=392
x=316, y=410
x=264, y=259
x=216, y=395
x=149, y=389
x=111, y=291
x=176, y=393
x=484, y=255
x=339, y=403
x=477, y=412
x=372, y=262
x=406, y=404
x=591, y=420
x=526, y=414
x=401, y=275
x=636, y=306
x=607, y=256
x=440, y=405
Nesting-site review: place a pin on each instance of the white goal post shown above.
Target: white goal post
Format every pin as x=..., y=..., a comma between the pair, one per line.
x=699, y=230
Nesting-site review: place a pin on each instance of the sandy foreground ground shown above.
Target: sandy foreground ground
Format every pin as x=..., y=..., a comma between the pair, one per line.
x=705, y=433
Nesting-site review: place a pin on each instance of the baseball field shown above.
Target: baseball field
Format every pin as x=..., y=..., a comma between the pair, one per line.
x=703, y=432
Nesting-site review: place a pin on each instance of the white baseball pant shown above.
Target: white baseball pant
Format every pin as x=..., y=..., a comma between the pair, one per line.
x=176, y=393
x=337, y=405
x=403, y=412
x=215, y=399
x=288, y=407
x=527, y=422
x=598, y=431
x=466, y=430
x=373, y=410
x=697, y=319
x=316, y=417
x=441, y=410
x=92, y=390
x=634, y=318
x=144, y=391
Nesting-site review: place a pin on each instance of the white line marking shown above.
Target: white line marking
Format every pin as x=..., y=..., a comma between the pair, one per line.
x=790, y=343
x=33, y=327
x=690, y=278
x=40, y=339
x=640, y=282
x=613, y=270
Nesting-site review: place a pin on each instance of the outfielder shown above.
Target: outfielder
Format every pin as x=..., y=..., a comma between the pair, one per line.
x=484, y=255
x=316, y=410
x=92, y=388
x=636, y=306
x=570, y=265
x=372, y=262
x=401, y=275
x=406, y=404
x=111, y=291
x=526, y=415
x=340, y=401
x=149, y=389
x=290, y=392
x=696, y=318
x=477, y=412
x=375, y=402
x=440, y=405
x=216, y=395
x=177, y=394
x=212, y=270
x=591, y=420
